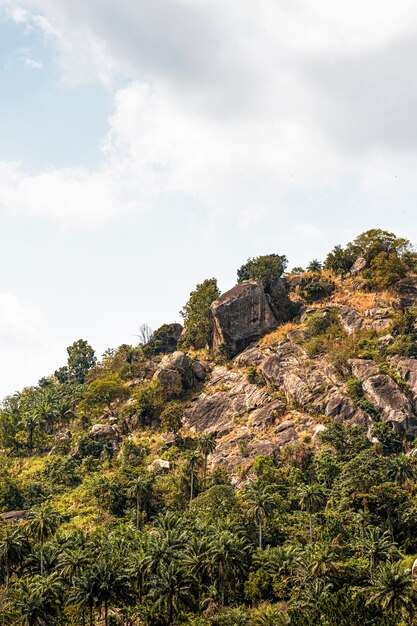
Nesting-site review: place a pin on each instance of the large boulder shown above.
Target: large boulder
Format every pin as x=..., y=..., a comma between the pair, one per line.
x=241, y=316
x=177, y=371
x=392, y=404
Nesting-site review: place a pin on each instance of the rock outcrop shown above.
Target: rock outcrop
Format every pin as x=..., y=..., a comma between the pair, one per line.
x=177, y=371
x=240, y=317
x=228, y=396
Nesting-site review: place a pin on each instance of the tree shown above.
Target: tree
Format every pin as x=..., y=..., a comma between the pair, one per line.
x=83, y=593
x=43, y=523
x=226, y=557
x=81, y=358
x=311, y=497
x=340, y=260
x=13, y=547
x=39, y=600
x=193, y=458
x=386, y=269
x=261, y=503
x=376, y=545
x=102, y=394
x=145, y=333
x=171, y=588
x=138, y=488
x=392, y=588
x=197, y=316
x=171, y=416
x=314, y=266
x=267, y=269
x=206, y=444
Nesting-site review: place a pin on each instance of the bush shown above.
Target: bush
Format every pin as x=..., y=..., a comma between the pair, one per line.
x=162, y=341
x=102, y=394
x=171, y=416
x=253, y=376
x=385, y=270
x=368, y=349
x=267, y=269
x=315, y=289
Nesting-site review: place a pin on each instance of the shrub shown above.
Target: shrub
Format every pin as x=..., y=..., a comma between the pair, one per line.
x=102, y=394
x=385, y=270
x=171, y=416
x=315, y=289
x=253, y=376
x=267, y=269
x=162, y=341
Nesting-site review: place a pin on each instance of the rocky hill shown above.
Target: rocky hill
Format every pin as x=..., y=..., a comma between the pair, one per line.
x=257, y=465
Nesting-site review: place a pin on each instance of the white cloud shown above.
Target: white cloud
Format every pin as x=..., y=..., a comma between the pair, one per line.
x=33, y=64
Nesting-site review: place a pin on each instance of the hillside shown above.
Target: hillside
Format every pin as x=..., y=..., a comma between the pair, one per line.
x=256, y=466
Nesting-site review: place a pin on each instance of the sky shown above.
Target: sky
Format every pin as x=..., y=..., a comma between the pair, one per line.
x=146, y=145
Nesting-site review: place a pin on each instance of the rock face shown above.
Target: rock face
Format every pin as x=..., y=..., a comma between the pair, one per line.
x=241, y=316
x=313, y=386
x=228, y=397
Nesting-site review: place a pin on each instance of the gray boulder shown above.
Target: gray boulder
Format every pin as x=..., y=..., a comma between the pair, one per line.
x=177, y=371
x=350, y=319
x=241, y=316
x=359, y=266
x=392, y=404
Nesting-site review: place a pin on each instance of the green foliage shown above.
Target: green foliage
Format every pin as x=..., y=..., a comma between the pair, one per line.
x=253, y=376
x=162, y=341
x=267, y=269
x=81, y=358
x=355, y=390
x=102, y=394
x=340, y=260
x=314, y=289
x=147, y=402
x=171, y=416
x=196, y=314
x=314, y=266
x=385, y=270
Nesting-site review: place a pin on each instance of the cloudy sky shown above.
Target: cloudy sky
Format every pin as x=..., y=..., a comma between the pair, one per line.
x=146, y=145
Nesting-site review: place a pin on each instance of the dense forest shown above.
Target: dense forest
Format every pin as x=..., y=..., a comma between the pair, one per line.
x=124, y=503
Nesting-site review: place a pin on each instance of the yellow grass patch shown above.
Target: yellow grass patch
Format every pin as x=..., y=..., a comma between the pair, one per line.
x=278, y=334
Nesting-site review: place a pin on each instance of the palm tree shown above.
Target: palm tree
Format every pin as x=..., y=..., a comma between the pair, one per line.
x=43, y=523
x=311, y=594
x=30, y=422
x=110, y=580
x=376, y=545
x=13, y=546
x=206, y=444
x=226, y=552
x=171, y=589
x=194, y=458
x=72, y=562
x=137, y=488
x=39, y=600
x=83, y=594
x=402, y=469
x=261, y=503
x=392, y=588
x=311, y=497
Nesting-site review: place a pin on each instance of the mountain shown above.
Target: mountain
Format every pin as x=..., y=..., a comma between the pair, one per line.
x=256, y=466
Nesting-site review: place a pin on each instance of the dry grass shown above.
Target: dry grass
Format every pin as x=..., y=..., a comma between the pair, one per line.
x=278, y=334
